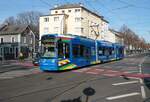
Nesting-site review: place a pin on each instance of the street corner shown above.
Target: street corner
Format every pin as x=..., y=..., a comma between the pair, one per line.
x=19, y=73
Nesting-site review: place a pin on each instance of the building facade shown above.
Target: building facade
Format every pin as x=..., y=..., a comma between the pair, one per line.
x=117, y=37
x=16, y=39
x=73, y=19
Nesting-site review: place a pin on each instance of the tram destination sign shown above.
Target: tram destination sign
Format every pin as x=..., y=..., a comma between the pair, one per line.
x=48, y=39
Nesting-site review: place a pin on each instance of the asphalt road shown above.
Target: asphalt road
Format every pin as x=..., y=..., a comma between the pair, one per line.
x=118, y=81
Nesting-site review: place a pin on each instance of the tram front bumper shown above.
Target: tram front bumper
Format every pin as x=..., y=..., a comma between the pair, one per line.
x=48, y=65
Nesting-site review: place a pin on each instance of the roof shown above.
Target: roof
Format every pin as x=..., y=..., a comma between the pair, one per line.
x=117, y=33
x=54, y=15
x=12, y=29
x=66, y=6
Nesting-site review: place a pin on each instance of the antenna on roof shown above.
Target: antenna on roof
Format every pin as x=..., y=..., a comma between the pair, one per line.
x=81, y=4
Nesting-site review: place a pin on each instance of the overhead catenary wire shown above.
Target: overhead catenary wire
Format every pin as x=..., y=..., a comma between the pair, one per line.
x=46, y=3
x=133, y=5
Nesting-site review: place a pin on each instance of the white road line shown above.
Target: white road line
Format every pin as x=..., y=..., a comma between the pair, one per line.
x=125, y=83
x=6, y=65
x=143, y=93
x=122, y=96
x=92, y=72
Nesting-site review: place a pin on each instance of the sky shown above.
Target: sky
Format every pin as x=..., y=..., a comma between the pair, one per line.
x=133, y=13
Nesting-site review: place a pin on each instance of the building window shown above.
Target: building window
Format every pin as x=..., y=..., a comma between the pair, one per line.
x=63, y=11
x=69, y=10
x=24, y=39
x=46, y=19
x=78, y=19
x=56, y=18
x=56, y=29
x=82, y=30
x=46, y=29
x=31, y=41
x=79, y=30
x=1, y=51
x=2, y=40
x=77, y=10
x=56, y=11
x=12, y=39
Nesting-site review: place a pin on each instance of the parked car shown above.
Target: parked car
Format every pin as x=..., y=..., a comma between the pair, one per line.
x=36, y=58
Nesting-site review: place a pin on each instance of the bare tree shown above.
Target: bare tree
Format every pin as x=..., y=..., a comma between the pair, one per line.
x=26, y=18
x=29, y=18
x=131, y=40
x=10, y=20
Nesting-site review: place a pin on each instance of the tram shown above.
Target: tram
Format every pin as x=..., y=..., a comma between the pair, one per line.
x=64, y=52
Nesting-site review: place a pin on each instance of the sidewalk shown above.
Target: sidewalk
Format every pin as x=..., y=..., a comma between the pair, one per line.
x=26, y=62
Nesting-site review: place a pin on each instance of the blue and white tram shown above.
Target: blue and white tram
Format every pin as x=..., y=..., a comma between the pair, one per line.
x=63, y=52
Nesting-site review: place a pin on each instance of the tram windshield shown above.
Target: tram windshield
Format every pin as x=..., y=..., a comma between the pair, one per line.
x=52, y=48
x=48, y=47
x=49, y=52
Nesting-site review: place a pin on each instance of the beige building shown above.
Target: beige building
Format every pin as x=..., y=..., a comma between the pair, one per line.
x=114, y=36
x=73, y=19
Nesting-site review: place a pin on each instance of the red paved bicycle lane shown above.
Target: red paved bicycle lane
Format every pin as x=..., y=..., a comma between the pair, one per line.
x=110, y=73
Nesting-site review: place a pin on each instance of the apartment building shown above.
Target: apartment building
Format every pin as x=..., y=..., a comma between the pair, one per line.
x=74, y=19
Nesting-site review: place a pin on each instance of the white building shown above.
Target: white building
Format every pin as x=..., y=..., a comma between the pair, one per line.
x=73, y=19
x=115, y=37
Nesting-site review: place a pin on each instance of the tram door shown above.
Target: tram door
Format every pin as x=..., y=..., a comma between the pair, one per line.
x=63, y=50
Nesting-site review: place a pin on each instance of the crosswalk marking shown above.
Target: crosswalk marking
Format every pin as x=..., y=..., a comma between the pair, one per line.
x=125, y=83
x=123, y=96
x=111, y=73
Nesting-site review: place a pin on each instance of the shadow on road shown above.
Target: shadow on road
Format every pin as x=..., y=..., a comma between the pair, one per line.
x=147, y=82
x=73, y=100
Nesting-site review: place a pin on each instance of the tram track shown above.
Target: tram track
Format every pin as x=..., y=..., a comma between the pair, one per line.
x=73, y=84
x=61, y=85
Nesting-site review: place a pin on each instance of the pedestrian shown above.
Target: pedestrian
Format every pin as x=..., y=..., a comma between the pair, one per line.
x=21, y=57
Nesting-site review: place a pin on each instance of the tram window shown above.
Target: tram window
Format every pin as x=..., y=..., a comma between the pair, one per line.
x=120, y=50
x=113, y=51
x=63, y=50
x=93, y=51
x=67, y=50
x=75, y=50
x=100, y=51
x=60, y=50
x=87, y=52
x=79, y=51
x=82, y=48
x=49, y=52
x=110, y=51
x=106, y=51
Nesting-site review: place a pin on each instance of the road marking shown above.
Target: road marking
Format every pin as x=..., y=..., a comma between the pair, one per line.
x=133, y=71
x=92, y=73
x=143, y=90
x=6, y=65
x=5, y=77
x=143, y=93
x=125, y=83
x=123, y=96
